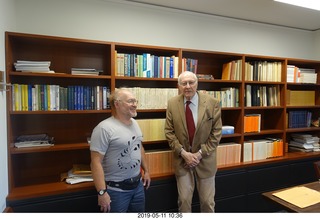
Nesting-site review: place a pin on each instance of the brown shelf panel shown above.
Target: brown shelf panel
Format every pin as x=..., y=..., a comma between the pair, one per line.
x=263, y=107
x=303, y=107
x=264, y=132
x=47, y=189
x=231, y=135
x=264, y=82
x=60, y=112
x=58, y=75
x=308, y=129
x=230, y=108
x=58, y=147
x=291, y=84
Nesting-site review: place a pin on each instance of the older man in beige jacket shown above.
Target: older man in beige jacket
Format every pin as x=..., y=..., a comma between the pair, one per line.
x=195, y=162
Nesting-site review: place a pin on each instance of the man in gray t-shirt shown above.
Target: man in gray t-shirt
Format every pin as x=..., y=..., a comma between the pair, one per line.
x=117, y=156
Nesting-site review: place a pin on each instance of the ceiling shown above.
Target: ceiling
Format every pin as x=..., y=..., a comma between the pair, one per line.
x=262, y=11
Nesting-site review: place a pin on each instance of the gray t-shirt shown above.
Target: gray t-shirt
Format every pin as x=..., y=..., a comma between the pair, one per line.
x=121, y=146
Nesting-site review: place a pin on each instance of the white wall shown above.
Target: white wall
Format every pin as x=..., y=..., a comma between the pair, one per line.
x=317, y=45
x=121, y=21
x=115, y=20
x=6, y=23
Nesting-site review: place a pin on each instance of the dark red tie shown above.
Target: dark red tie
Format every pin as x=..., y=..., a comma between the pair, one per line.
x=190, y=123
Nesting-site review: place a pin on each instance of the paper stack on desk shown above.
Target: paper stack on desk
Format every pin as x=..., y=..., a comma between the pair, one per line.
x=300, y=196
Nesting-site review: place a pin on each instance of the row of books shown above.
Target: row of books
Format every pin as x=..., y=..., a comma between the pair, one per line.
x=33, y=66
x=160, y=162
x=301, y=75
x=228, y=153
x=153, y=98
x=189, y=64
x=300, y=97
x=45, y=97
x=258, y=95
x=146, y=65
x=262, y=149
x=304, y=142
x=263, y=71
x=232, y=70
x=299, y=119
x=227, y=96
x=252, y=123
x=152, y=129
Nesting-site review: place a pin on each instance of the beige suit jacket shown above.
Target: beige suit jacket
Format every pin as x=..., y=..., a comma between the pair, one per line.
x=207, y=135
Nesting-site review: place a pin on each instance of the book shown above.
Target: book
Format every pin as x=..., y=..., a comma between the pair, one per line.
x=252, y=123
x=205, y=76
x=247, y=151
x=248, y=95
x=226, y=71
x=85, y=71
x=81, y=169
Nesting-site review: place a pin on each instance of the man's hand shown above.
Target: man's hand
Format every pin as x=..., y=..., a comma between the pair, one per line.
x=104, y=202
x=191, y=159
x=146, y=180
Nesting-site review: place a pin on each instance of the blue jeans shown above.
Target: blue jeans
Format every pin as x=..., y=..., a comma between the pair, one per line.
x=128, y=201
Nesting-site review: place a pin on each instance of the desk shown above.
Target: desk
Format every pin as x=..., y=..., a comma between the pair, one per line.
x=294, y=208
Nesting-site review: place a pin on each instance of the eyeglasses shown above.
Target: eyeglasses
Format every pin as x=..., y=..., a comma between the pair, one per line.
x=130, y=101
x=185, y=83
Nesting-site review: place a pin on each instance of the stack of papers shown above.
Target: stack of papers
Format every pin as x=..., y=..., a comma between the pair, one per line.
x=36, y=140
x=85, y=71
x=33, y=66
x=78, y=174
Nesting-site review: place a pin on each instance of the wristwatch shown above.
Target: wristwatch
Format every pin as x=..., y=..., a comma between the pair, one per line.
x=102, y=191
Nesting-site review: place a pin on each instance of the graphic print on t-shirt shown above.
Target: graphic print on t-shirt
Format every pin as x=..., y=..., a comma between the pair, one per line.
x=130, y=157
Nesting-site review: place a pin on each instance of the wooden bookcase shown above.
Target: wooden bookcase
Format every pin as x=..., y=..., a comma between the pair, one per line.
x=35, y=172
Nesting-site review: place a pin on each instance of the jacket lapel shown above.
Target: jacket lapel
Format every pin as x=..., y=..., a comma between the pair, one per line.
x=182, y=112
x=201, y=110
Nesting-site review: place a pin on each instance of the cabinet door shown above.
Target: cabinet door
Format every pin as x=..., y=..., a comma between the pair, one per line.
x=71, y=203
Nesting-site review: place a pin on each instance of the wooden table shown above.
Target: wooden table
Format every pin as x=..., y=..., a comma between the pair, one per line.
x=293, y=208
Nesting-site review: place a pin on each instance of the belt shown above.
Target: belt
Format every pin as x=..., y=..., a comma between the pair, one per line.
x=127, y=184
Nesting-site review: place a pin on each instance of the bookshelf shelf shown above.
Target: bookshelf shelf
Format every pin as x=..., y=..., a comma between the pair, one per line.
x=123, y=78
x=308, y=129
x=59, y=112
x=56, y=147
x=303, y=107
x=71, y=127
x=264, y=132
x=248, y=108
x=59, y=75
